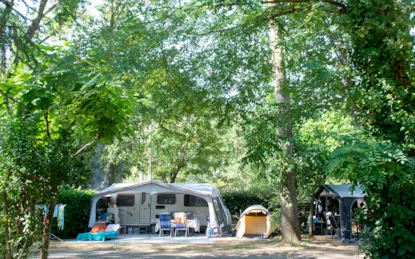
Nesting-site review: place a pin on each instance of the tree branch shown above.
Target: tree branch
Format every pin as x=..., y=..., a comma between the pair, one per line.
x=47, y=123
x=83, y=149
x=293, y=10
x=50, y=9
x=285, y=1
x=28, y=6
x=8, y=97
x=20, y=14
x=342, y=10
x=34, y=27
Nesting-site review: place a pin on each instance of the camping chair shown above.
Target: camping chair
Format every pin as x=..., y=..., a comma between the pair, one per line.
x=112, y=231
x=164, y=223
x=181, y=223
x=97, y=228
x=334, y=226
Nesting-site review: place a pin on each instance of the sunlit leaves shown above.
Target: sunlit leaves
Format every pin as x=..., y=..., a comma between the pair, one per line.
x=386, y=174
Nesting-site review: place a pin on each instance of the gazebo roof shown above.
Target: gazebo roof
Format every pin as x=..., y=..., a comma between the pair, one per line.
x=341, y=191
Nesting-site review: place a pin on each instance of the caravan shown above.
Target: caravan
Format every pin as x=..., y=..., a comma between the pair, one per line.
x=137, y=207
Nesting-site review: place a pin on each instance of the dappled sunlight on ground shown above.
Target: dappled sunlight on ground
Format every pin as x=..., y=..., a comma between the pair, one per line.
x=319, y=247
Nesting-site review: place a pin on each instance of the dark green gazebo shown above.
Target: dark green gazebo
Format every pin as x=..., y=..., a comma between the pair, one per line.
x=346, y=197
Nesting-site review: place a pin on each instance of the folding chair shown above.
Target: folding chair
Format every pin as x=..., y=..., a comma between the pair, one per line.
x=181, y=223
x=164, y=223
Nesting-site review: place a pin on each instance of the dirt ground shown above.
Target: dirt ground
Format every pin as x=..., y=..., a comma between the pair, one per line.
x=320, y=247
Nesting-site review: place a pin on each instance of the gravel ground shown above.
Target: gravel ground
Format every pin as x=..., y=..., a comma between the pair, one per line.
x=229, y=248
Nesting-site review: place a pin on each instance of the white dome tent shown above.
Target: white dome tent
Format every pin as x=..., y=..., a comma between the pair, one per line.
x=255, y=221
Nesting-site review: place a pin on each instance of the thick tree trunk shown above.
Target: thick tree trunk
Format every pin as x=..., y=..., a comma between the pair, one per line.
x=290, y=223
x=44, y=252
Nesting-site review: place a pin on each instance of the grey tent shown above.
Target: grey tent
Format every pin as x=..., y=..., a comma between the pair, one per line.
x=346, y=197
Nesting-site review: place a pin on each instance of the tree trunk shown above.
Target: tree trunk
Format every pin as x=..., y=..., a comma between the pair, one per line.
x=310, y=218
x=290, y=223
x=175, y=172
x=150, y=155
x=44, y=252
x=111, y=174
x=8, y=254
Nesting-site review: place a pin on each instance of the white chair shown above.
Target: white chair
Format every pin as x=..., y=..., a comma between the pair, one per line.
x=181, y=223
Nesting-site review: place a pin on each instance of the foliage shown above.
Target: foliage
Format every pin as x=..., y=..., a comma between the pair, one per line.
x=40, y=148
x=21, y=160
x=316, y=139
x=77, y=212
x=25, y=26
x=166, y=80
x=239, y=36
x=387, y=175
x=382, y=53
x=33, y=168
x=193, y=145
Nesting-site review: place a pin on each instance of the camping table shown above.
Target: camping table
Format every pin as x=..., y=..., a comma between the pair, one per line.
x=191, y=223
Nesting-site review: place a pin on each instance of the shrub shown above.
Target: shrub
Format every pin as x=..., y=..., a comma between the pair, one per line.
x=76, y=212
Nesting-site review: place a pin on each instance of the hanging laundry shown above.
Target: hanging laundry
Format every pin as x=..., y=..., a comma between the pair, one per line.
x=55, y=212
x=61, y=216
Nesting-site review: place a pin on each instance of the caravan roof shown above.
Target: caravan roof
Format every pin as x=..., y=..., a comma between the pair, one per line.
x=157, y=186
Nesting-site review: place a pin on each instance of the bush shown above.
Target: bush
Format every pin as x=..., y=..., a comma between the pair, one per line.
x=76, y=212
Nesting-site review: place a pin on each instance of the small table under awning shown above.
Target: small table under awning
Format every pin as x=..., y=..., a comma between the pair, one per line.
x=191, y=223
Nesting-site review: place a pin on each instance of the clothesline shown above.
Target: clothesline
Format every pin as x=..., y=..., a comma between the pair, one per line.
x=59, y=213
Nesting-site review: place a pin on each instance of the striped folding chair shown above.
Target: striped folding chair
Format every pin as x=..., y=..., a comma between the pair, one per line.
x=181, y=223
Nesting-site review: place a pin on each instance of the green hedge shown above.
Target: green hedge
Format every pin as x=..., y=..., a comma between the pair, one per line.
x=76, y=212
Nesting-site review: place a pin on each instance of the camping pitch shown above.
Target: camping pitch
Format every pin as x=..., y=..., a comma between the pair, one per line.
x=138, y=206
